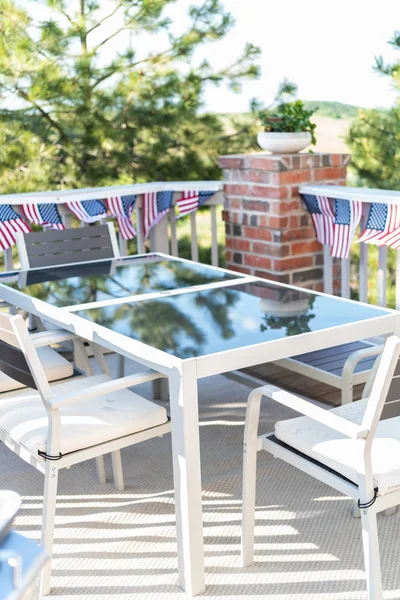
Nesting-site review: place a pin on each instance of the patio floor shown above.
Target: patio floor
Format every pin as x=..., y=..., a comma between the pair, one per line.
x=122, y=544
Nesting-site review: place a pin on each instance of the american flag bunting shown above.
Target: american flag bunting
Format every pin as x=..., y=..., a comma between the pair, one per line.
x=46, y=215
x=347, y=217
x=88, y=211
x=192, y=200
x=383, y=226
x=322, y=216
x=155, y=206
x=121, y=207
x=10, y=224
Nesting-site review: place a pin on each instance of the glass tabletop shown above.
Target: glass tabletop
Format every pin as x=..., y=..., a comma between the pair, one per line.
x=205, y=322
x=81, y=283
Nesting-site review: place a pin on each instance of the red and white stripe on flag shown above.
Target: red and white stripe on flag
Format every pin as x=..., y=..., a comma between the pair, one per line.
x=10, y=225
x=326, y=221
x=151, y=214
x=116, y=208
x=347, y=218
x=392, y=237
x=188, y=202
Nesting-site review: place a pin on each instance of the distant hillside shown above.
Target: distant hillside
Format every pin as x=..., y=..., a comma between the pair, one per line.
x=333, y=110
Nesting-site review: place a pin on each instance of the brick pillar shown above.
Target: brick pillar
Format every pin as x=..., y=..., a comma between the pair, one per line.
x=268, y=231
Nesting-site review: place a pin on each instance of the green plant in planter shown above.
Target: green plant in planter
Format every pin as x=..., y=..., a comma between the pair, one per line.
x=286, y=117
x=289, y=117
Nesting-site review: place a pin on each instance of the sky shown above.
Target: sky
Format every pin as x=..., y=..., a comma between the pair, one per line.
x=327, y=48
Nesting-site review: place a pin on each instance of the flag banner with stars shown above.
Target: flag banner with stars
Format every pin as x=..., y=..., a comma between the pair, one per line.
x=46, y=215
x=155, y=206
x=121, y=207
x=347, y=217
x=192, y=200
x=88, y=211
x=322, y=216
x=383, y=226
x=10, y=224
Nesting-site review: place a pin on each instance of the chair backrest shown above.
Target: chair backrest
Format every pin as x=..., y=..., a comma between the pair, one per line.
x=18, y=356
x=53, y=247
x=384, y=392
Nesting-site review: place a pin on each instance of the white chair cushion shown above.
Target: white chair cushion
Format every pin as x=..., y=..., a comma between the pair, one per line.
x=345, y=455
x=55, y=366
x=23, y=417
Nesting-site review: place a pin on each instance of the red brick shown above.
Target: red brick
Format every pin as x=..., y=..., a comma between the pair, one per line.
x=258, y=176
x=234, y=203
x=257, y=205
x=306, y=247
x=280, y=208
x=253, y=260
x=265, y=164
x=295, y=262
x=330, y=173
x=231, y=162
x=295, y=176
x=238, y=244
x=294, y=221
x=262, y=221
x=236, y=189
x=279, y=250
x=278, y=222
x=336, y=160
x=298, y=233
x=265, y=191
x=257, y=233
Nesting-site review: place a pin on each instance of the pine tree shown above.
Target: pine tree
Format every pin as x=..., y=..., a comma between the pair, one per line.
x=75, y=111
x=374, y=137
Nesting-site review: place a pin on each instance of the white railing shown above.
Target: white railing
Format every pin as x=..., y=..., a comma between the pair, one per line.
x=163, y=237
x=360, y=279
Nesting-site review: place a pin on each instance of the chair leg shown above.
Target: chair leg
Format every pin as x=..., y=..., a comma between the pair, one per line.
x=117, y=470
x=249, y=477
x=121, y=366
x=100, y=470
x=371, y=554
x=49, y=512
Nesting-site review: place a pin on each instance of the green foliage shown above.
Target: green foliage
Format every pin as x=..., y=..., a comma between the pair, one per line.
x=288, y=117
x=77, y=112
x=374, y=137
x=283, y=115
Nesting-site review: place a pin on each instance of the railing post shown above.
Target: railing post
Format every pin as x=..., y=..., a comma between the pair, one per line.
x=159, y=238
x=269, y=233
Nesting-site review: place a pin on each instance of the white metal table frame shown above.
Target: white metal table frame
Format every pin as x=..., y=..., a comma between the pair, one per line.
x=183, y=375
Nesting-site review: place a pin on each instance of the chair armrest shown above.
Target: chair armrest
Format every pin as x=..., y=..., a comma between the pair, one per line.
x=46, y=338
x=102, y=389
x=356, y=357
x=326, y=417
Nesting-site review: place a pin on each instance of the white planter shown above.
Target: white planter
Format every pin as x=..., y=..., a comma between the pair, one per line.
x=283, y=143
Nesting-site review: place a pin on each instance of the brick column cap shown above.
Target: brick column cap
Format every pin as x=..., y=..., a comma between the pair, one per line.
x=283, y=162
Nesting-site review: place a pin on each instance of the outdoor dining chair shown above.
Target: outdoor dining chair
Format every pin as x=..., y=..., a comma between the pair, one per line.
x=354, y=448
x=69, y=246
x=55, y=426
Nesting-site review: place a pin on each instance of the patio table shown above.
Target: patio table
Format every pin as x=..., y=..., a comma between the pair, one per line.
x=189, y=321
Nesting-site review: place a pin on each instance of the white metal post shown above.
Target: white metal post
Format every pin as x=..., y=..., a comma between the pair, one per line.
x=187, y=477
x=328, y=277
x=159, y=241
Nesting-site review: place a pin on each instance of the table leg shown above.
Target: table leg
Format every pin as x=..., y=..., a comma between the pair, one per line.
x=187, y=477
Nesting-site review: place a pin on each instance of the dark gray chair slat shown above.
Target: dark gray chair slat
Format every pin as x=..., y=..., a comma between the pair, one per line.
x=350, y=348
x=364, y=365
x=46, y=248
x=390, y=410
x=51, y=235
x=14, y=364
x=71, y=257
